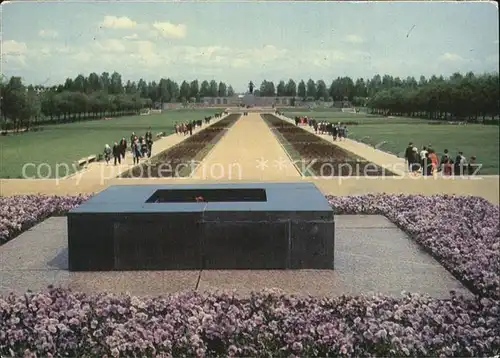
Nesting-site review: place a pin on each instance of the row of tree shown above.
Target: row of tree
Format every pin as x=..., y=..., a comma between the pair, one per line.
x=165, y=90
x=95, y=96
x=470, y=97
x=358, y=90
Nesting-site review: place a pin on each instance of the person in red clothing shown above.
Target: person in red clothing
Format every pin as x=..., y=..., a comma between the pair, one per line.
x=447, y=166
x=433, y=161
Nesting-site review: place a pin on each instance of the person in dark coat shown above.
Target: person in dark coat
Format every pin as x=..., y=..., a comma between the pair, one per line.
x=117, y=153
x=473, y=167
x=414, y=161
x=408, y=154
x=123, y=147
x=149, y=135
x=133, y=138
x=136, y=152
x=143, y=146
x=149, y=141
x=444, y=159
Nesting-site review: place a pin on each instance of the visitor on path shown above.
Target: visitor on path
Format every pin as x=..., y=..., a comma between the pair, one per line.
x=143, y=146
x=150, y=148
x=447, y=166
x=149, y=135
x=473, y=166
x=423, y=156
x=342, y=131
x=433, y=162
x=149, y=141
x=133, y=138
x=136, y=153
x=345, y=131
x=123, y=147
x=444, y=158
x=414, y=161
x=408, y=154
x=117, y=153
x=460, y=164
x=426, y=165
x=107, y=153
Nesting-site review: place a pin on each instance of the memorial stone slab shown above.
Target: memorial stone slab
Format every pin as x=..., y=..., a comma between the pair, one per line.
x=210, y=226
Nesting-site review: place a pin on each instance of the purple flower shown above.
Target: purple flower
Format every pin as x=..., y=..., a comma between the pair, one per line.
x=20, y=212
x=464, y=237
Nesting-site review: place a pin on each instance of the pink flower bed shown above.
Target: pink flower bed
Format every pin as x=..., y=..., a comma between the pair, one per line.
x=19, y=213
x=461, y=232
x=61, y=323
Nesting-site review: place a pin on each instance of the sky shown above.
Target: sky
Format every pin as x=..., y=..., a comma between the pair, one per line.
x=238, y=42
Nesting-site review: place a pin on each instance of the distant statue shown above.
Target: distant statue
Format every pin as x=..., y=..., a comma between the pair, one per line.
x=250, y=87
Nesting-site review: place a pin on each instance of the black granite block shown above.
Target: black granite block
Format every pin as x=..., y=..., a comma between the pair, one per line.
x=312, y=245
x=214, y=226
x=90, y=244
x=162, y=244
x=246, y=245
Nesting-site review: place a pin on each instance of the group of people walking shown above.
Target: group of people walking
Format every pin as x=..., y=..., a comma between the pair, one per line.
x=140, y=147
x=337, y=130
x=427, y=163
x=185, y=128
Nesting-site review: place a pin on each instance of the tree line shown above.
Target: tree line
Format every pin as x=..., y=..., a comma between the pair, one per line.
x=470, y=97
x=95, y=96
x=459, y=96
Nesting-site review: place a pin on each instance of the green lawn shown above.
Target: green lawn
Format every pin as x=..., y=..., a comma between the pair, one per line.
x=394, y=134
x=66, y=143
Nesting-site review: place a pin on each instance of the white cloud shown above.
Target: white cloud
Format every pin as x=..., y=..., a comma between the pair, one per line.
x=14, y=53
x=354, y=39
x=450, y=57
x=240, y=63
x=109, y=46
x=114, y=22
x=47, y=33
x=82, y=57
x=45, y=51
x=12, y=47
x=131, y=37
x=169, y=30
x=147, y=56
x=146, y=47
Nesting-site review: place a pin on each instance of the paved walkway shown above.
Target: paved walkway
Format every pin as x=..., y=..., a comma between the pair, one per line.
x=387, y=160
x=248, y=151
x=103, y=171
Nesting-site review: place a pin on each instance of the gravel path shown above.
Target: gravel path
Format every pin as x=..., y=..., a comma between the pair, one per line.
x=248, y=151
